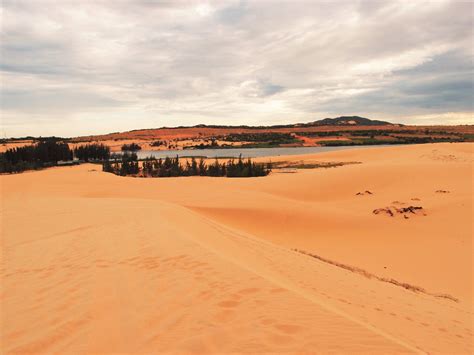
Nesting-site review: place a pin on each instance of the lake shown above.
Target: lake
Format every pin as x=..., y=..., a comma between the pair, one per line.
x=246, y=152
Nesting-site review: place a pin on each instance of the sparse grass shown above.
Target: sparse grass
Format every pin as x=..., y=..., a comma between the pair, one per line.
x=312, y=165
x=369, y=275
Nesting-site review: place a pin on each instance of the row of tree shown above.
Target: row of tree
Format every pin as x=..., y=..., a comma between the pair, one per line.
x=172, y=167
x=43, y=154
x=48, y=153
x=92, y=152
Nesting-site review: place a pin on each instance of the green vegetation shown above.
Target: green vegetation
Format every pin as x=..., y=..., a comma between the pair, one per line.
x=35, y=139
x=319, y=134
x=270, y=137
x=375, y=137
x=92, y=152
x=158, y=143
x=133, y=147
x=352, y=137
x=128, y=165
x=212, y=145
x=48, y=153
x=303, y=165
x=43, y=154
x=390, y=140
x=262, y=140
x=172, y=167
x=256, y=140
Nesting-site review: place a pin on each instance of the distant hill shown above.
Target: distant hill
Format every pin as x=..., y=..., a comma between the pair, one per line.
x=343, y=130
x=349, y=121
x=338, y=121
x=343, y=122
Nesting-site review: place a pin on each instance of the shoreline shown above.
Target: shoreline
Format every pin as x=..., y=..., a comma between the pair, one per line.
x=285, y=150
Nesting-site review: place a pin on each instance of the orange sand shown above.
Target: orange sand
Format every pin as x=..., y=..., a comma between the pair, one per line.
x=93, y=262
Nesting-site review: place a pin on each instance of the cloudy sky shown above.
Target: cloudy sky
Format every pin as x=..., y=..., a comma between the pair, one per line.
x=79, y=67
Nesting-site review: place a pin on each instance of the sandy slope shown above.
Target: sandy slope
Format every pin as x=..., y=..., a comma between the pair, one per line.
x=93, y=262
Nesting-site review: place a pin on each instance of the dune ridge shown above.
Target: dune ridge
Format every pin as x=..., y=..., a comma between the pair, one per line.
x=288, y=270
x=275, y=276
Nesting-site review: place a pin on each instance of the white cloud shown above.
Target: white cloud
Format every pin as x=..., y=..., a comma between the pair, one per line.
x=447, y=118
x=73, y=68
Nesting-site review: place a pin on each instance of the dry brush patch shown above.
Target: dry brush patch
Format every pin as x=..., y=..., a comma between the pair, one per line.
x=393, y=211
x=309, y=165
x=363, y=193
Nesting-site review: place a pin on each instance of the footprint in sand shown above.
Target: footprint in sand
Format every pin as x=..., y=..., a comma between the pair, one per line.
x=247, y=291
x=225, y=315
x=279, y=338
x=228, y=304
x=260, y=302
x=288, y=328
x=175, y=258
x=267, y=321
x=343, y=301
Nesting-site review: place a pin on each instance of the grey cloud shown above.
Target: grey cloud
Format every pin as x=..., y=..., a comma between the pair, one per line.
x=259, y=88
x=436, y=95
x=233, y=14
x=451, y=62
x=54, y=100
x=269, y=89
x=235, y=59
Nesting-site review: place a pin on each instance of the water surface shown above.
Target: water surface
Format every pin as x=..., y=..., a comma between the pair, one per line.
x=246, y=152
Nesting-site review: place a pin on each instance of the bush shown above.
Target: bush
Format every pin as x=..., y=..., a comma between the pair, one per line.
x=133, y=147
x=158, y=143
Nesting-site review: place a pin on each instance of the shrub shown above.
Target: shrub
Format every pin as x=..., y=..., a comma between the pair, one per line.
x=133, y=147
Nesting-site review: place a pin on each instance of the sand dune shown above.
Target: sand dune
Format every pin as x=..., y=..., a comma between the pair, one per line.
x=93, y=262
